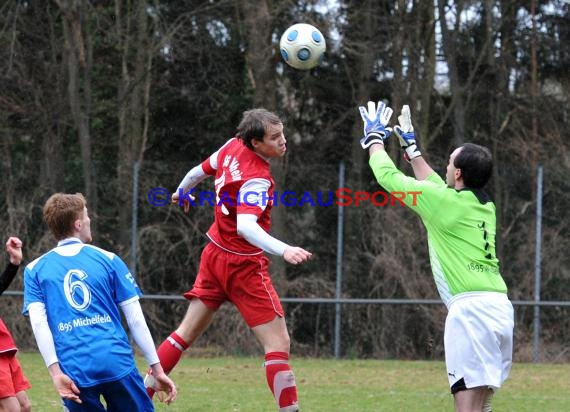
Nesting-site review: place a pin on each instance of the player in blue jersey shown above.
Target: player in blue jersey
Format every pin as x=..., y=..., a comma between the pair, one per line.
x=74, y=295
x=460, y=220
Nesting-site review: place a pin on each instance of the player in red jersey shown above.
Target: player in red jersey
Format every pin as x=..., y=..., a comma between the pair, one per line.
x=233, y=266
x=13, y=383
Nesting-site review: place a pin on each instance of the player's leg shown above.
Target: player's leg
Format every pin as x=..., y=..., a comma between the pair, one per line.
x=24, y=401
x=506, y=348
x=205, y=298
x=12, y=382
x=504, y=315
x=90, y=401
x=21, y=385
x=126, y=394
x=488, y=399
x=477, y=327
x=255, y=297
x=459, y=359
x=9, y=404
x=470, y=400
x=197, y=319
x=275, y=340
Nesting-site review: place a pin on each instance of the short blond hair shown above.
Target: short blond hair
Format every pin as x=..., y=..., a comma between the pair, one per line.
x=61, y=211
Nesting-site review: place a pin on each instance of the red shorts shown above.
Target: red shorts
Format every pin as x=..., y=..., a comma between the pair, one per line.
x=12, y=379
x=242, y=280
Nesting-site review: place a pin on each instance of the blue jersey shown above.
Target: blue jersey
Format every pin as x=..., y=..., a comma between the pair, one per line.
x=82, y=287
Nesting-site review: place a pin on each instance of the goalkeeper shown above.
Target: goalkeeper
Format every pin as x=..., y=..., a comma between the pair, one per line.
x=478, y=335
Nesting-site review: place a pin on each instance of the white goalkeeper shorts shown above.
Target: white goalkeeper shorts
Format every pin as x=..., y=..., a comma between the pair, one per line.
x=478, y=340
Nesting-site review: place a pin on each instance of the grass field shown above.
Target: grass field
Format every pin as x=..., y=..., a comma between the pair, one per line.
x=238, y=385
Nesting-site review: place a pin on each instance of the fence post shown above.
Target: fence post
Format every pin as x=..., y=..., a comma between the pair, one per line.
x=339, y=242
x=537, y=264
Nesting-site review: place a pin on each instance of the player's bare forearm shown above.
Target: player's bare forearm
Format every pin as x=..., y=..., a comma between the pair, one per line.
x=375, y=148
x=421, y=168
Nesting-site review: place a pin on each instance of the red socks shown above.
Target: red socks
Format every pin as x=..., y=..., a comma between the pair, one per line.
x=280, y=378
x=169, y=352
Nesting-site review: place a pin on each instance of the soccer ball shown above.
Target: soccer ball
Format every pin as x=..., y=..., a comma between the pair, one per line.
x=302, y=46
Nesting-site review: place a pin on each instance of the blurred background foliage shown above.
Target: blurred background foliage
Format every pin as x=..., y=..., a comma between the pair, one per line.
x=89, y=89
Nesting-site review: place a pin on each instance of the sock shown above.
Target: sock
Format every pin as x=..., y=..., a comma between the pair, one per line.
x=488, y=399
x=280, y=379
x=169, y=352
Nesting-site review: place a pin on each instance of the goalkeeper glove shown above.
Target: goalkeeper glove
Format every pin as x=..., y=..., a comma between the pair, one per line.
x=375, y=120
x=406, y=135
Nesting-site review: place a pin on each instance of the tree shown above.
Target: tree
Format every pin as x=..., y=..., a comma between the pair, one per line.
x=137, y=49
x=89, y=88
x=78, y=54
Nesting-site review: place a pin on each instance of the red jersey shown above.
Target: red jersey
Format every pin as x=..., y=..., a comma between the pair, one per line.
x=7, y=344
x=236, y=164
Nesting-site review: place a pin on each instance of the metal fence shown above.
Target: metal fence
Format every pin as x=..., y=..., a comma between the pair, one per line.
x=339, y=302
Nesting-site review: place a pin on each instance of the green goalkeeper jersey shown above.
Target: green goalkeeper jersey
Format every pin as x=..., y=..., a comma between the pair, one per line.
x=461, y=229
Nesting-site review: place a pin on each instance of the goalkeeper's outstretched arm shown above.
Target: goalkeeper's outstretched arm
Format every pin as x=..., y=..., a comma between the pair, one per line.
x=409, y=143
x=421, y=168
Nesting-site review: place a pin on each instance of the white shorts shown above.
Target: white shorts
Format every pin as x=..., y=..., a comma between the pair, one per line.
x=478, y=340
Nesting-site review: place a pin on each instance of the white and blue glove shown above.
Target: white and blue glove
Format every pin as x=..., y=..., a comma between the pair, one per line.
x=375, y=120
x=406, y=135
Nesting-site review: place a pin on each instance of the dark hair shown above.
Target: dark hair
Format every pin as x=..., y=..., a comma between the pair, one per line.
x=476, y=164
x=254, y=124
x=61, y=211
